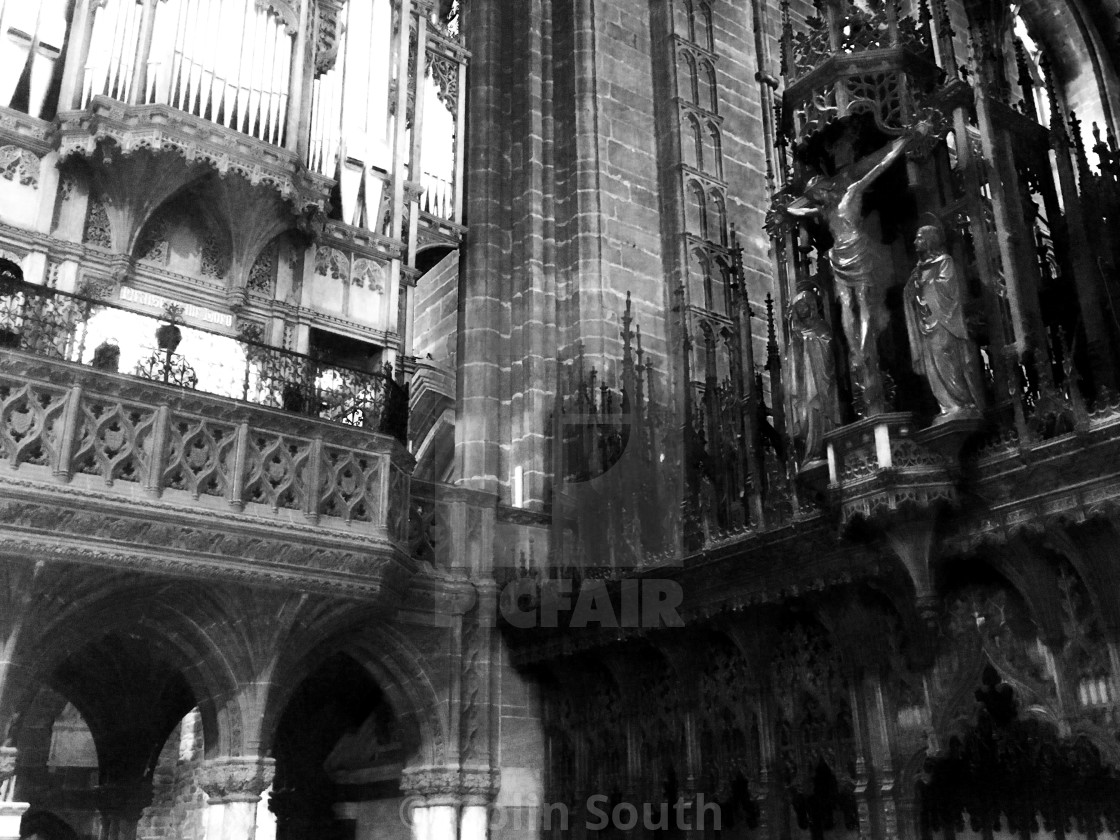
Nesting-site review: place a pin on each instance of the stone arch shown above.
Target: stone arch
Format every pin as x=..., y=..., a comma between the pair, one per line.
x=986, y=622
x=696, y=210
x=693, y=80
x=151, y=612
x=695, y=147
x=395, y=664
x=183, y=219
x=705, y=28
x=129, y=187
x=715, y=144
x=685, y=19
x=717, y=216
x=708, y=91
x=430, y=255
x=1089, y=549
x=700, y=266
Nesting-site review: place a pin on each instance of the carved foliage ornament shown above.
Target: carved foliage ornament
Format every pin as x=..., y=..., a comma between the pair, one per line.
x=440, y=782
x=328, y=33
x=19, y=165
x=445, y=72
x=236, y=779
x=284, y=10
x=97, y=230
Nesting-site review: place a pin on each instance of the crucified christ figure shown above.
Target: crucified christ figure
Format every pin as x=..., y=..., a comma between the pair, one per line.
x=854, y=257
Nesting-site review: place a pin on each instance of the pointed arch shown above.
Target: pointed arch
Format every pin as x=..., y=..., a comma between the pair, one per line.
x=696, y=212
x=692, y=80
x=704, y=32
x=694, y=147
x=717, y=216
x=714, y=157
x=393, y=662
x=708, y=93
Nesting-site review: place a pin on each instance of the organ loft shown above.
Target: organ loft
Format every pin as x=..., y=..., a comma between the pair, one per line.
x=471, y=420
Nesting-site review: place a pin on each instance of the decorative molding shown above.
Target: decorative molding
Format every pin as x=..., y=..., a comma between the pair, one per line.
x=46, y=530
x=24, y=130
x=361, y=242
x=450, y=785
x=162, y=128
x=19, y=165
x=235, y=779
x=328, y=33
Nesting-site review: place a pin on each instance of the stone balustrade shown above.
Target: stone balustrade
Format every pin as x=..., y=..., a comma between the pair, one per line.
x=122, y=471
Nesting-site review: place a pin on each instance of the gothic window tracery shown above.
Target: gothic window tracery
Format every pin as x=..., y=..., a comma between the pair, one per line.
x=705, y=32
x=708, y=96
x=696, y=210
x=695, y=146
x=262, y=276
x=691, y=80
x=717, y=217
x=714, y=158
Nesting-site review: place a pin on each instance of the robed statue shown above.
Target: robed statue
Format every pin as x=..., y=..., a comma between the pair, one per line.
x=813, y=391
x=939, y=343
x=861, y=279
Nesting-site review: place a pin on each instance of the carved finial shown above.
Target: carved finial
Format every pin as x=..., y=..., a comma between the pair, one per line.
x=786, y=40
x=1026, y=80
x=1083, y=171
x=945, y=22
x=771, y=331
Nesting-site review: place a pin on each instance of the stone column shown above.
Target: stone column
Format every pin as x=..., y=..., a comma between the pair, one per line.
x=480, y=345
x=11, y=813
x=449, y=804
x=121, y=805
x=233, y=788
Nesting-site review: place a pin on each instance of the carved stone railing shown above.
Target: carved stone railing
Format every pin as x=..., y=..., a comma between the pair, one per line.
x=129, y=438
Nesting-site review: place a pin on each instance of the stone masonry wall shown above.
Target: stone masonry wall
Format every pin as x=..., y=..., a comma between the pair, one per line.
x=437, y=301
x=178, y=802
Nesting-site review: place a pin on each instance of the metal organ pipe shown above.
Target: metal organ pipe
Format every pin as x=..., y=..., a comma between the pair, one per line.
x=228, y=61
x=350, y=120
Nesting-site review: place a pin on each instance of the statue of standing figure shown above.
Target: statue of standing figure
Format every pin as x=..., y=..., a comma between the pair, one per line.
x=854, y=257
x=939, y=343
x=815, y=405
